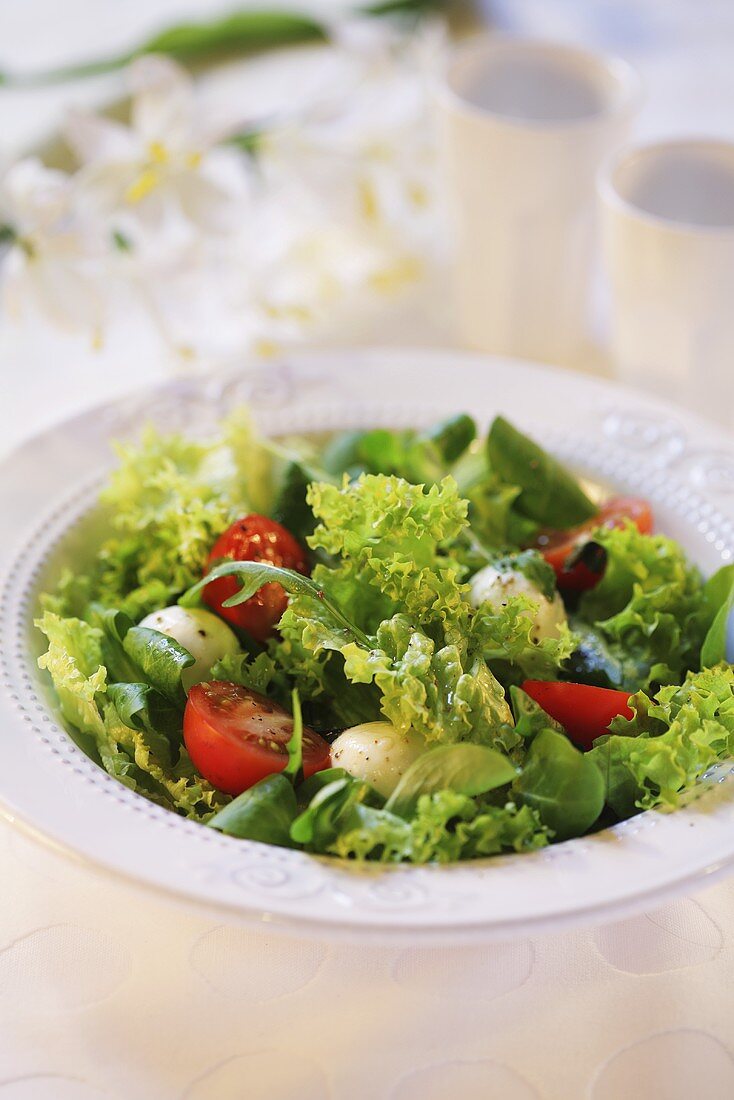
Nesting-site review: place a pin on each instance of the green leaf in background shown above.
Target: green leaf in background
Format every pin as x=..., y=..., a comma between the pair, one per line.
x=264, y=812
x=467, y=769
x=160, y=659
x=549, y=494
x=718, y=596
x=451, y=437
x=563, y=785
x=420, y=457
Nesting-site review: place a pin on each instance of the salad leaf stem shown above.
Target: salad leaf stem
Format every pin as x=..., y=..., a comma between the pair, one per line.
x=294, y=768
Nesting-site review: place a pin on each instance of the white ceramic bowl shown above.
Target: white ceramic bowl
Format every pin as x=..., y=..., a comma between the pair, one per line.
x=48, y=786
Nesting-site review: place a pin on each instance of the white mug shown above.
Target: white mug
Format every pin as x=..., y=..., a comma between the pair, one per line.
x=668, y=235
x=524, y=126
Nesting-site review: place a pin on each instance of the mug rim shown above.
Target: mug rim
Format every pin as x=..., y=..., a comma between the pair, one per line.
x=628, y=83
x=612, y=197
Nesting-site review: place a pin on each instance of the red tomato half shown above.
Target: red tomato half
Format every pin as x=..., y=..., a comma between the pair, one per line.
x=584, y=712
x=254, y=538
x=236, y=737
x=557, y=546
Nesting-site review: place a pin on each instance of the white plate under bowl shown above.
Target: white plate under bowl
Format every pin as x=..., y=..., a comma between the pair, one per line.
x=611, y=434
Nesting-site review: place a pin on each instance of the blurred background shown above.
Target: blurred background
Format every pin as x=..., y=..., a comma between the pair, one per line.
x=321, y=218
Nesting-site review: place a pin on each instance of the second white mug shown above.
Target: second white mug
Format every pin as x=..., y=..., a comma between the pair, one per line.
x=668, y=222
x=524, y=126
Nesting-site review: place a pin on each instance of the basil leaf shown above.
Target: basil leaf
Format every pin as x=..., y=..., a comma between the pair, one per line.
x=263, y=812
x=160, y=659
x=255, y=574
x=564, y=786
x=464, y=768
x=141, y=707
x=718, y=595
x=549, y=494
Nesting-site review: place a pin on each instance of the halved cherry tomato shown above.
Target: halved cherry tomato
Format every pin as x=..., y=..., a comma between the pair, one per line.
x=558, y=546
x=236, y=737
x=254, y=538
x=584, y=712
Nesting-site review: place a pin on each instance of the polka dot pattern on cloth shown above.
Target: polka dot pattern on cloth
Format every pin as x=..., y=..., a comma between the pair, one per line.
x=673, y=938
x=264, y=1075
x=60, y=967
x=44, y=1086
x=464, y=973
x=466, y=1081
x=674, y=1065
x=225, y=960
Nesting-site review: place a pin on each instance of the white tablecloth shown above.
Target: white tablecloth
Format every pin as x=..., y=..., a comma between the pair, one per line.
x=106, y=992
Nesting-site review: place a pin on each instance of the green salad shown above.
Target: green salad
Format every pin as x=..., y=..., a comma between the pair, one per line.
x=395, y=645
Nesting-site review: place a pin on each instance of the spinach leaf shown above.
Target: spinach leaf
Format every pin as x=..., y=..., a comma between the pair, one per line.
x=255, y=574
x=114, y=626
x=311, y=786
x=465, y=768
x=450, y=437
x=263, y=812
x=141, y=707
x=718, y=596
x=160, y=659
x=549, y=494
x=321, y=822
x=565, y=787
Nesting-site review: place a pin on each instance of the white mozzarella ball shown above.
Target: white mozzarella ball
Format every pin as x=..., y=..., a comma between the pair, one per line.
x=203, y=634
x=377, y=753
x=496, y=587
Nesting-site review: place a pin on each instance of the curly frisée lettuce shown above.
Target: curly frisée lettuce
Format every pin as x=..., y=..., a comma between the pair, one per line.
x=646, y=614
x=139, y=756
x=381, y=627
x=674, y=738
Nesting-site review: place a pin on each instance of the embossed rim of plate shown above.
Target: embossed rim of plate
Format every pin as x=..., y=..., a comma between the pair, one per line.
x=634, y=442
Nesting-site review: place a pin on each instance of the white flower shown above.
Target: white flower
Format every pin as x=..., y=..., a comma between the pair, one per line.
x=165, y=164
x=48, y=264
x=367, y=155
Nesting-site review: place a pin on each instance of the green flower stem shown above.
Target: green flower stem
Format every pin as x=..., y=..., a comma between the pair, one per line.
x=241, y=32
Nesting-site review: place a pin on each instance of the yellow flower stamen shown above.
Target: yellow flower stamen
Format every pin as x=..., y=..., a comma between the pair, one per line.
x=193, y=160
x=267, y=349
x=146, y=182
x=158, y=152
x=368, y=201
x=396, y=276
x=417, y=194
